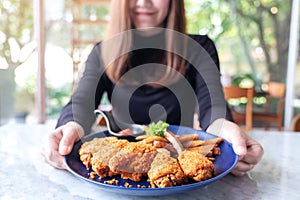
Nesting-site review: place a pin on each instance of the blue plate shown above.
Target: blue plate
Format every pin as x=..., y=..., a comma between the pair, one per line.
x=223, y=165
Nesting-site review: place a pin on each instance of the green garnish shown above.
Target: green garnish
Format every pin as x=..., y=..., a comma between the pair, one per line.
x=157, y=129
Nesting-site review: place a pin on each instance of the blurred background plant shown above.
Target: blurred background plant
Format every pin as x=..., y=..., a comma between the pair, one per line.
x=18, y=63
x=15, y=49
x=252, y=36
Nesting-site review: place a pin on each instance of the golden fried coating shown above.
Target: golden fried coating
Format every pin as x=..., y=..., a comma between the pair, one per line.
x=196, y=166
x=165, y=172
x=100, y=159
x=89, y=148
x=110, y=156
x=91, y=156
x=133, y=160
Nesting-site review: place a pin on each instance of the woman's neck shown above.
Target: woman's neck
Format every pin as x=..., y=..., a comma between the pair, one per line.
x=148, y=32
x=155, y=39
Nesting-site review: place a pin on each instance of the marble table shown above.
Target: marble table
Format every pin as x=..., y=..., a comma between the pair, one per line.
x=25, y=175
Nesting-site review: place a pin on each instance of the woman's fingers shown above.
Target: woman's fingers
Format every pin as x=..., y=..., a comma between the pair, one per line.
x=50, y=153
x=239, y=144
x=241, y=168
x=249, y=151
x=60, y=142
x=67, y=142
x=254, y=152
x=55, y=159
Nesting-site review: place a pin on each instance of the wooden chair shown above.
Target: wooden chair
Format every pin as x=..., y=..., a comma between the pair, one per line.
x=296, y=123
x=275, y=90
x=235, y=92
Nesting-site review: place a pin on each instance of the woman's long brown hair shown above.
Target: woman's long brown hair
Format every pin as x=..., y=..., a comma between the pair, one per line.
x=120, y=22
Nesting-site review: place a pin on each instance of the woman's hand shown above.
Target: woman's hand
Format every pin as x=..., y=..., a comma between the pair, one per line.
x=60, y=142
x=249, y=151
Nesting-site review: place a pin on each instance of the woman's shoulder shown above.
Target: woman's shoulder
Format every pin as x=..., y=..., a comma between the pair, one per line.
x=202, y=39
x=97, y=46
x=95, y=51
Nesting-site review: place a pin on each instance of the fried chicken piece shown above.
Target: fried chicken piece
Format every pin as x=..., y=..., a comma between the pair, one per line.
x=89, y=148
x=133, y=161
x=195, y=165
x=165, y=172
x=97, y=152
x=100, y=159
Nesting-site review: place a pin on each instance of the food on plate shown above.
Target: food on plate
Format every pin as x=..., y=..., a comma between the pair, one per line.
x=89, y=149
x=174, y=141
x=157, y=129
x=97, y=153
x=151, y=139
x=188, y=137
x=165, y=171
x=113, y=156
x=165, y=159
x=133, y=161
x=195, y=165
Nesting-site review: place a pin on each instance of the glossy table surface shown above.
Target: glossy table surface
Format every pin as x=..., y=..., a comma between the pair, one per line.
x=25, y=175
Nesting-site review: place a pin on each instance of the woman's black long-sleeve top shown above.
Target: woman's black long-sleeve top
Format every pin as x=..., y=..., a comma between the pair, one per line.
x=200, y=88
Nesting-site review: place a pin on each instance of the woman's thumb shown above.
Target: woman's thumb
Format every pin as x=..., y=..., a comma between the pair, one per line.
x=239, y=145
x=70, y=134
x=67, y=141
x=66, y=144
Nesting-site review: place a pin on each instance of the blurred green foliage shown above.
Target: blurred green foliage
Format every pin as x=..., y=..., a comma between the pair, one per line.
x=25, y=95
x=251, y=36
x=57, y=98
x=16, y=19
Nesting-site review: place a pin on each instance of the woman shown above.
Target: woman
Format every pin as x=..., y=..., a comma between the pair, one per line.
x=153, y=72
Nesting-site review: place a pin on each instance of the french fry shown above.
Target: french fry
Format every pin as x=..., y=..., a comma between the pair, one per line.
x=188, y=137
x=194, y=143
x=159, y=144
x=213, y=141
x=141, y=137
x=216, y=151
x=205, y=150
x=151, y=139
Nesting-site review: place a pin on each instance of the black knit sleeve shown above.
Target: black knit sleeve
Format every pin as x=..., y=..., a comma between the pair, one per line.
x=208, y=88
x=87, y=95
